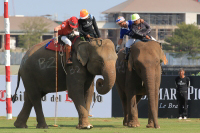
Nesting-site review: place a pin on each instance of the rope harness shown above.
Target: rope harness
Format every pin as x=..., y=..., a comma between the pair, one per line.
x=61, y=53
x=96, y=39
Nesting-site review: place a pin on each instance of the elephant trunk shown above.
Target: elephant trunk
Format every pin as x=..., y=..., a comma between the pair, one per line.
x=103, y=86
x=149, y=81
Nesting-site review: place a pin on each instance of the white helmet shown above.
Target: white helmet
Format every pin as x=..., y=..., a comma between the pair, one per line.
x=120, y=19
x=135, y=17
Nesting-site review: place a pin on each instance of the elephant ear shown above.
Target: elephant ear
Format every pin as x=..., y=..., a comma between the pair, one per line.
x=163, y=58
x=82, y=53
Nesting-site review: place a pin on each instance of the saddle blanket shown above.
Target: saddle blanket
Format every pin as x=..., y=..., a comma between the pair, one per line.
x=51, y=46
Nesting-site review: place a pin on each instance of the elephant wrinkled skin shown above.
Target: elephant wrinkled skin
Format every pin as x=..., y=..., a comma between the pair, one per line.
x=140, y=76
x=38, y=73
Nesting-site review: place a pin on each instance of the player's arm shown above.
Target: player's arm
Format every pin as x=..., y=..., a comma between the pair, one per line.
x=56, y=29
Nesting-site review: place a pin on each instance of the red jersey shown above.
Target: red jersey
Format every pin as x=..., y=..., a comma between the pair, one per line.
x=65, y=28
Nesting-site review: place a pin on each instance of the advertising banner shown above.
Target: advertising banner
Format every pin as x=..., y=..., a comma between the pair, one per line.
x=101, y=108
x=168, y=106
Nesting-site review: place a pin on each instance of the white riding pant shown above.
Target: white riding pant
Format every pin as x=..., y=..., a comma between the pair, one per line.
x=66, y=40
x=130, y=42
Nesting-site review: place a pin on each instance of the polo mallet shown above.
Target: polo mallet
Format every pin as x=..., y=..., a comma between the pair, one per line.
x=56, y=104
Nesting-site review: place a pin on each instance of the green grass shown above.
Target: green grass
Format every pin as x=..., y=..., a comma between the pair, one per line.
x=102, y=125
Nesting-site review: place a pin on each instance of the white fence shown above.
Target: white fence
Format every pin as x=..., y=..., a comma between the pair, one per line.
x=16, y=58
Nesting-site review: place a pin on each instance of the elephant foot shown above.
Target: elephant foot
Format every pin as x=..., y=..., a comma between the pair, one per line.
x=133, y=124
x=150, y=125
x=157, y=126
x=20, y=125
x=84, y=126
x=42, y=126
x=125, y=123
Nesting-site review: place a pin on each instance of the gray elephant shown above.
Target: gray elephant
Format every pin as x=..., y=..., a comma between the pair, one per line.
x=140, y=76
x=38, y=73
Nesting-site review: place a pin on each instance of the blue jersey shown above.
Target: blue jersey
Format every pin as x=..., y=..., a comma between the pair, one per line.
x=125, y=31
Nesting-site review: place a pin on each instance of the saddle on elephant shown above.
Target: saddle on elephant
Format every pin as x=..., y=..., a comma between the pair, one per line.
x=97, y=41
x=60, y=47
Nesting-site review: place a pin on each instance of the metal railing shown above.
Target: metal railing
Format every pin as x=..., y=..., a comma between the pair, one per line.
x=16, y=58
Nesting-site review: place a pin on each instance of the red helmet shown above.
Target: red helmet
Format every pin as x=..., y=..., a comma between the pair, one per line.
x=73, y=22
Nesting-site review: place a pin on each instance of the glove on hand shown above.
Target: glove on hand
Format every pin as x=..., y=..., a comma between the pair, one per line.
x=117, y=48
x=55, y=40
x=71, y=35
x=76, y=33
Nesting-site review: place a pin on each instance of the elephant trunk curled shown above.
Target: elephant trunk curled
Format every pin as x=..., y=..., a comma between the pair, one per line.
x=103, y=86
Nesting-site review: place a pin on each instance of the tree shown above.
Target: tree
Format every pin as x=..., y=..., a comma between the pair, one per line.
x=33, y=28
x=185, y=40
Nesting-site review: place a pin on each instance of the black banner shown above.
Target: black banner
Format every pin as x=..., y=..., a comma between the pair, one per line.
x=168, y=107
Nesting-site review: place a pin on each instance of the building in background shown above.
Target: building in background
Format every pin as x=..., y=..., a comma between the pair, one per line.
x=15, y=30
x=162, y=15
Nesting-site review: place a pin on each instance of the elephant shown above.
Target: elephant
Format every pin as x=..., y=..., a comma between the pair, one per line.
x=140, y=76
x=38, y=73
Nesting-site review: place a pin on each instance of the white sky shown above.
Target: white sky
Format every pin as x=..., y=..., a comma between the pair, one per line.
x=63, y=8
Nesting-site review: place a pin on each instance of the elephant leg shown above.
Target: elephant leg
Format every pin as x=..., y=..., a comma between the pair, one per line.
x=123, y=98
x=24, y=114
x=138, y=98
x=38, y=110
x=89, y=92
x=133, y=85
x=150, y=119
x=132, y=111
x=133, y=119
x=35, y=96
x=77, y=95
x=150, y=116
x=39, y=114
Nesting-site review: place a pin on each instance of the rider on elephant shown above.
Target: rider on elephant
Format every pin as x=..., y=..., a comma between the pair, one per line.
x=66, y=30
x=140, y=31
x=125, y=30
x=87, y=25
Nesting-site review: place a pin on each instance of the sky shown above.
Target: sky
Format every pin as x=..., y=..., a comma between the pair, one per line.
x=63, y=9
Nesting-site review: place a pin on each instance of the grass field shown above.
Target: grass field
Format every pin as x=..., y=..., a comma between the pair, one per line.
x=103, y=125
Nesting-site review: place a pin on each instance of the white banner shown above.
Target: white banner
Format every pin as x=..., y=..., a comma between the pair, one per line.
x=66, y=108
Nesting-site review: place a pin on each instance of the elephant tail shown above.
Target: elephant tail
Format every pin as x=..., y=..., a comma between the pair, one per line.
x=14, y=97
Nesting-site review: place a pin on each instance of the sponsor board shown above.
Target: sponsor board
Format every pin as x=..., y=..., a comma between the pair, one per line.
x=101, y=108
x=167, y=106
